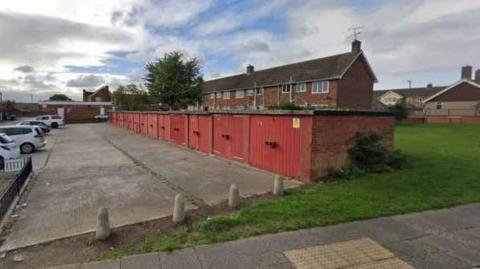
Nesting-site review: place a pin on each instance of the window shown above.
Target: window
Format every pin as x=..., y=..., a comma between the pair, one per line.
x=226, y=95
x=286, y=88
x=98, y=99
x=250, y=92
x=301, y=87
x=239, y=94
x=439, y=105
x=56, y=117
x=219, y=95
x=320, y=87
x=212, y=95
x=260, y=91
x=16, y=131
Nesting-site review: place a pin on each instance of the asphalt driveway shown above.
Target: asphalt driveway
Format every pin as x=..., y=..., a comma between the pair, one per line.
x=88, y=166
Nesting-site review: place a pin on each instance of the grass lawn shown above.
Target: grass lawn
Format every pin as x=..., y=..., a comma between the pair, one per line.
x=443, y=171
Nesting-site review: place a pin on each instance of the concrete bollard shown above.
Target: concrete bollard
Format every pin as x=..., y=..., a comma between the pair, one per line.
x=103, y=224
x=233, y=196
x=179, y=208
x=278, y=189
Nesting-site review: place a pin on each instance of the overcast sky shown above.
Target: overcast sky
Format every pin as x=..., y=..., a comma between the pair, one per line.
x=53, y=46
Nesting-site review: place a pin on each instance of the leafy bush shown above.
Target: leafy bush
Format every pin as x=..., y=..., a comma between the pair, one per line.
x=400, y=111
x=288, y=106
x=370, y=156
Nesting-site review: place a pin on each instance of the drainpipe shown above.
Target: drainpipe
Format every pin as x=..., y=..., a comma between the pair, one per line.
x=291, y=89
x=278, y=95
x=255, y=95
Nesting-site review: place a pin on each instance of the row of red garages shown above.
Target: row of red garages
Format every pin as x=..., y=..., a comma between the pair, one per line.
x=277, y=143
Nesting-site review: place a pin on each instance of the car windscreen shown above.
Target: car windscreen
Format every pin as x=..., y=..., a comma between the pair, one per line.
x=5, y=139
x=56, y=117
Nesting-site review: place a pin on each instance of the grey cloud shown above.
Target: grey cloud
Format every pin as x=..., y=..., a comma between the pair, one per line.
x=24, y=69
x=255, y=46
x=86, y=81
x=35, y=37
x=129, y=18
x=37, y=82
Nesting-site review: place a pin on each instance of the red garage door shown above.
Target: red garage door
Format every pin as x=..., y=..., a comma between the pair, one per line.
x=161, y=126
x=152, y=125
x=131, y=121
x=230, y=136
x=144, y=123
x=137, y=122
x=177, y=129
x=200, y=129
x=281, y=144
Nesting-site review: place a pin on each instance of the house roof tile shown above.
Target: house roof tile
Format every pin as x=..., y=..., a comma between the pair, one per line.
x=331, y=67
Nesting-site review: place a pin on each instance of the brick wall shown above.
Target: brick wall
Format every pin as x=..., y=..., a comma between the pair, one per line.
x=76, y=114
x=453, y=119
x=273, y=96
x=355, y=90
x=332, y=138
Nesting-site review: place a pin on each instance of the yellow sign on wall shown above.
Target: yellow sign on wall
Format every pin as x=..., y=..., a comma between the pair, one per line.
x=296, y=123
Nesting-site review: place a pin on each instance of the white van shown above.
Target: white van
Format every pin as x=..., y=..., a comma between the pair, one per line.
x=28, y=138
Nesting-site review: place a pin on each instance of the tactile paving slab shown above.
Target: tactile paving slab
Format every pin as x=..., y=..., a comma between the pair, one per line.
x=361, y=253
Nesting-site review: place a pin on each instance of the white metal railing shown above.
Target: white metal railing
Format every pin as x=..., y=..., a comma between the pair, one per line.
x=14, y=165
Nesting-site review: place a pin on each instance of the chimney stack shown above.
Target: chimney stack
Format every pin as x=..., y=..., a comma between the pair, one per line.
x=477, y=76
x=356, y=46
x=467, y=72
x=250, y=69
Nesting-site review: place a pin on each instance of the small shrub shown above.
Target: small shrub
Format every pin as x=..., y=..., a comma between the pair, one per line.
x=400, y=111
x=370, y=156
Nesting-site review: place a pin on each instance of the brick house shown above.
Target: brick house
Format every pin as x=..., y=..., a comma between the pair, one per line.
x=460, y=99
x=93, y=104
x=412, y=97
x=101, y=95
x=339, y=81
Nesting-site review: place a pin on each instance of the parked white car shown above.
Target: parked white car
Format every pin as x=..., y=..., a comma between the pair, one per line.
x=53, y=121
x=28, y=138
x=9, y=149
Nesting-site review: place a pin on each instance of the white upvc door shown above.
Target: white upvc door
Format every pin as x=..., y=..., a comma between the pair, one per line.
x=61, y=112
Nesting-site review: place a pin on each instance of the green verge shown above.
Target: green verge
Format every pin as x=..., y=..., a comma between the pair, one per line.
x=443, y=172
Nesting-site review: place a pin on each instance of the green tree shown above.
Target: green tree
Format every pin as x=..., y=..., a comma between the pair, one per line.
x=173, y=81
x=59, y=97
x=130, y=97
x=400, y=111
x=9, y=105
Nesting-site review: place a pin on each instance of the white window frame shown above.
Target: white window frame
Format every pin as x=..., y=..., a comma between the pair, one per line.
x=302, y=89
x=239, y=94
x=250, y=92
x=212, y=95
x=439, y=104
x=325, y=88
x=226, y=95
x=286, y=88
x=219, y=95
x=260, y=91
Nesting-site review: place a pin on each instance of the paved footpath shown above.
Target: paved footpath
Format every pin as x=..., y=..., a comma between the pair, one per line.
x=446, y=238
